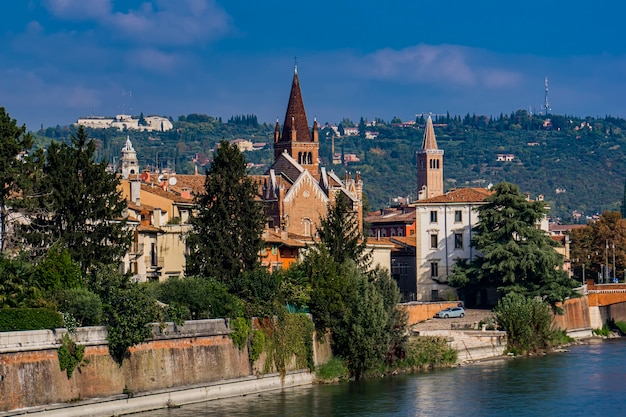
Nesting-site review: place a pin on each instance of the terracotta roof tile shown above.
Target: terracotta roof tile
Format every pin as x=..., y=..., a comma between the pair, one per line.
x=459, y=195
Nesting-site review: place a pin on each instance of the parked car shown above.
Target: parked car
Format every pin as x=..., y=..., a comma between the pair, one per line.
x=451, y=312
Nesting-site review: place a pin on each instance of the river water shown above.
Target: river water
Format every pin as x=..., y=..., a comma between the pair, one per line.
x=587, y=380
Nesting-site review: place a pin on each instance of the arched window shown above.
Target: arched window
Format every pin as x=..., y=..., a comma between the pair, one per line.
x=307, y=226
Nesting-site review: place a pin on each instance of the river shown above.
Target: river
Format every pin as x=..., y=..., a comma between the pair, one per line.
x=587, y=380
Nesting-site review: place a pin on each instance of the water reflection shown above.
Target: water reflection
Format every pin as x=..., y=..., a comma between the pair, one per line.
x=589, y=380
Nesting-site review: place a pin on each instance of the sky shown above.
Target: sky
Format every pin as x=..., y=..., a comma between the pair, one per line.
x=65, y=59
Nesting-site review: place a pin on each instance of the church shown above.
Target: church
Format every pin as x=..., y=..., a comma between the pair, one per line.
x=295, y=189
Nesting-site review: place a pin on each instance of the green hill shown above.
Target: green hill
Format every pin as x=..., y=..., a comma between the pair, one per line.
x=575, y=163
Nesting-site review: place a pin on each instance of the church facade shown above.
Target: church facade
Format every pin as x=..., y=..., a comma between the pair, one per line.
x=296, y=191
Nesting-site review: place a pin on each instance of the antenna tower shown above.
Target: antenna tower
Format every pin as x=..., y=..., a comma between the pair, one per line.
x=546, y=104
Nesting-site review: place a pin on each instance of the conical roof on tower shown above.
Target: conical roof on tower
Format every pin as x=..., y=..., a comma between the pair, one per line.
x=429, y=142
x=295, y=117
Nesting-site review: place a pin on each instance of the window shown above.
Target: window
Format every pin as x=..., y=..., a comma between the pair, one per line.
x=153, y=255
x=458, y=217
x=307, y=227
x=434, y=241
x=433, y=217
x=458, y=241
x=434, y=269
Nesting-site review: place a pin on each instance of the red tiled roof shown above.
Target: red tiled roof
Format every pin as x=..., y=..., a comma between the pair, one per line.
x=564, y=227
x=459, y=195
x=393, y=216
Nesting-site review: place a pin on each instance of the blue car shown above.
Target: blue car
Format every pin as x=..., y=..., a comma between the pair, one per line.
x=451, y=312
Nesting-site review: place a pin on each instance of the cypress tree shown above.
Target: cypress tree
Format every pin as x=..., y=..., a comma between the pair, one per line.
x=226, y=234
x=14, y=144
x=79, y=206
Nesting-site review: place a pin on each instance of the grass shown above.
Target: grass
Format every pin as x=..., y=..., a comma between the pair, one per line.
x=333, y=370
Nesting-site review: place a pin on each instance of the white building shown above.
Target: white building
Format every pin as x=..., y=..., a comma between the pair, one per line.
x=444, y=231
x=124, y=121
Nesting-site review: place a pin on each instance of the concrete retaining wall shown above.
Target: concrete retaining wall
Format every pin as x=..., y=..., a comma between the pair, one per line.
x=576, y=319
x=418, y=312
x=200, y=352
x=472, y=345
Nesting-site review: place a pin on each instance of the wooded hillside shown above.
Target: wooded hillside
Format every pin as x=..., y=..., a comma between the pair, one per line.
x=577, y=164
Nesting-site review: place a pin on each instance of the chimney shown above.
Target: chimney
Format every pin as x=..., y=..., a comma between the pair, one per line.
x=135, y=191
x=157, y=217
x=185, y=193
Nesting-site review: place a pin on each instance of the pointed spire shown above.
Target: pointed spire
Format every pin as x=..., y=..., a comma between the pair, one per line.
x=429, y=142
x=295, y=117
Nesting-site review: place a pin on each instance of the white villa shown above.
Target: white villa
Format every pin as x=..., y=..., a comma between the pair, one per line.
x=125, y=121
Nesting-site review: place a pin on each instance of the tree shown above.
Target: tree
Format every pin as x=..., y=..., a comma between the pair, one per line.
x=517, y=256
x=142, y=120
x=623, y=206
x=14, y=145
x=600, y=243
x=79, y=206
x=226, y=234
x=340, y=235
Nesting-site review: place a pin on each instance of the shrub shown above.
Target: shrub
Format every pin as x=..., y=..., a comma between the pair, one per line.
x=128, y=311
x=527, y=322
x=240, y=331
x=70, y=355
x=334, y=369
x=427, y=351
x=18, y=319
x=82, y=304
x=257, y=345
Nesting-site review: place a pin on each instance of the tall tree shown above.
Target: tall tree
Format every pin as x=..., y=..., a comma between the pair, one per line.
x=14, y=145
x=80, y=206
x=623, y=206
x=227, y=232
x=517, y=256
x=601, y=243
x=339, y=233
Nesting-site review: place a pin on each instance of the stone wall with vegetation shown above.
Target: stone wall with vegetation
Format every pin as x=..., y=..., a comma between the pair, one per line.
x=197, y=352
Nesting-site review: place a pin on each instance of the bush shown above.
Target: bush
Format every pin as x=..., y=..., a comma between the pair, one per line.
x=426, y=351
x=203, y=297
x=527, y=322
x=127, y=312
x=257, y=345
x=70, y=355
x=82, y=304
x=18, y=319
x=240, y=331
x=333, y=370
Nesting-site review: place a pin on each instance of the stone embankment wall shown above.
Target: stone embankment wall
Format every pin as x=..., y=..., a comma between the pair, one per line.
x=199, y=352
x=576, y=318
x=472, y=345
x=418, y=312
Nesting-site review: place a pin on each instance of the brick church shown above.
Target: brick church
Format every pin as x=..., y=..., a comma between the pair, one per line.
x=296, y=189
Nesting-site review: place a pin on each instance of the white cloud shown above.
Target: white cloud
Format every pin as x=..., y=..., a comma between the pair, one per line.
x=155, y=22
x=437, y=63
x=79, y=9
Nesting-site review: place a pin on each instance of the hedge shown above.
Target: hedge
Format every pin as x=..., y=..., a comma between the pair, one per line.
x=17, y=319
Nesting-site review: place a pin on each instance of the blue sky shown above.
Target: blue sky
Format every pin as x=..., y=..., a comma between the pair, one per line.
x=63, y=59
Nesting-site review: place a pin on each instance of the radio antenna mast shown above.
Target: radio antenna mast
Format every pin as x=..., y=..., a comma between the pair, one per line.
x=546, y=104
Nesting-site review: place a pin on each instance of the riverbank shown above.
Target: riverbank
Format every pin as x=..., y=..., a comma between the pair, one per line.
x=171, y=398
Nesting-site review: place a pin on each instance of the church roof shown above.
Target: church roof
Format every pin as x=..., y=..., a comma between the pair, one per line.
x=429, y=142
x=295, y=117
x=287, y=167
